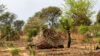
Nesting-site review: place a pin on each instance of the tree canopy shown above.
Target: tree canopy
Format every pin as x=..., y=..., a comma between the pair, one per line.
x=79, y=10
x=7, y=18
x=67, y=23
x=2, y=8
x=98, y=18
x=18, y=24
x=33, y=22
x=51, y=14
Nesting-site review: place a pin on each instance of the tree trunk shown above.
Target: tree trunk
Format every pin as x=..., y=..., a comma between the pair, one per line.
x=69, y=38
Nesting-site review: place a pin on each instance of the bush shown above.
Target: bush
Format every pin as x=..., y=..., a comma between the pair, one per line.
x=11, y=44
x=84, y=41
x=2, y=44
x=14, y=51
x=28, y=39
x=32, y=52
x=97, y=34
x=83, y=29
x=32, y=32
x=9, y=34
x=30, y=43
x=98, y=41
x=87, y=34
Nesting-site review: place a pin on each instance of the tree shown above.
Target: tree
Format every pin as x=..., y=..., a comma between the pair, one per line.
x=2, y=8
x=39, y=14
x=79, y=11
x=98, y=18
x=67, y=23
x=18, y=24
x=51, y=14
x=33, y=22
x=7, y=18
x=6, y=22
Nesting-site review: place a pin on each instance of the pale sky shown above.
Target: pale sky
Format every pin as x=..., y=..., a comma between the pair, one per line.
x=26, y=8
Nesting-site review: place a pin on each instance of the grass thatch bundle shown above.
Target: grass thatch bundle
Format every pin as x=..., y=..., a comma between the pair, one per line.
x=48, y=38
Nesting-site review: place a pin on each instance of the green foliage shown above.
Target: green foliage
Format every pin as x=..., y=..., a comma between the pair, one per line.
x=84, y=41
x=84, y=29
x=2, y=8
x=96, y=27
x=7, y=18
x=29, y=39
x=30, y=43
x=33, y=23
x=6, y=23
x=9, y=34
x=97, y=34
x=14, y=51
x=98, y=41
x=98, y=46
x=87, y=40
x=32, y=32
x=88, y=34
x=50, y=14
x=98, y=18
x=66, y=22
x=11, y=44
x=79, y=11
x=2, y=44
x=18, y=24
x=51, y=10
x=32, y=52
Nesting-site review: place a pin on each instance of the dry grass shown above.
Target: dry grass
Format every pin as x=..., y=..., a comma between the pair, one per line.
x=77, y=49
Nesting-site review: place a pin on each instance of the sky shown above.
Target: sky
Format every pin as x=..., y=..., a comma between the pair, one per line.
x=27, y=8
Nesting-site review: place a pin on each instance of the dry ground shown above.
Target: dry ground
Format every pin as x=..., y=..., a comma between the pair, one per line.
x=77, y=49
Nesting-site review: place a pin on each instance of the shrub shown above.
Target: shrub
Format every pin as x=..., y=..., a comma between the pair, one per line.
x=84, y=41
x=28, y=39
x=83, y=29
x=9, y=34
x=98, y=41
x=97, y=34
x=2, y=44
x=32, y=52
x=96, y=27
x=30, y=43
x=32, y=32
x=87, y=34
x=15, y=51
x=11, y=44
